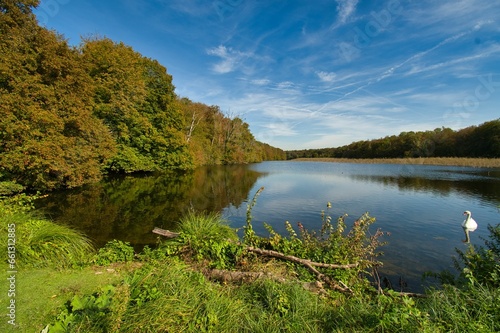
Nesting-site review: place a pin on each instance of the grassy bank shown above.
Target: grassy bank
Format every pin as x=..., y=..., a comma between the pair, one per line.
x=208, y=280
x=452, y=161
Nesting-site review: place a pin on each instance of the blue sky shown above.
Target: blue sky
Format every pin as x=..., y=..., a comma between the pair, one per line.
x=312, y=73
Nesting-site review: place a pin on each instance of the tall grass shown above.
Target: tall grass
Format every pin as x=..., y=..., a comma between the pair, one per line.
x=206, y=226
x=457, y=310
x=40, y=242
x=205, y=238
x=174, y=298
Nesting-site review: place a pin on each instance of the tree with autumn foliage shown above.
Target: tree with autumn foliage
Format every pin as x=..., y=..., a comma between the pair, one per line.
x=49, y=136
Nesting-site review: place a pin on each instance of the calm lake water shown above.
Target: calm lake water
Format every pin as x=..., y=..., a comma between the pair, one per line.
x=421, y=206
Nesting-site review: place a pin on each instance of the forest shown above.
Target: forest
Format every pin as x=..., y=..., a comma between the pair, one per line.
x=69, y=115
x=473, y=141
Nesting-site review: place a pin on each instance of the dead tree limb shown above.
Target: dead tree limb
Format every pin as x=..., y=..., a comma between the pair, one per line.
x=301, y=261
x=166, y=233
x=310, y=266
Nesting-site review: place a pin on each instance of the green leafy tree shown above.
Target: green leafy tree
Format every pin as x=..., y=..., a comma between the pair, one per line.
x=134, y=97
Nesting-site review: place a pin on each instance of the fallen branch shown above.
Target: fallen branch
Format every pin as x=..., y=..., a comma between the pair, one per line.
x=310, y=266
x=166, y=233
x=305, y=262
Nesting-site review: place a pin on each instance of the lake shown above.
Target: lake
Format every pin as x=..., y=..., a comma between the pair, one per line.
x=420, y=205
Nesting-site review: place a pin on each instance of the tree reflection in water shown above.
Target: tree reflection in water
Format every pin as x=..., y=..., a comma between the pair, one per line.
x=129, y=207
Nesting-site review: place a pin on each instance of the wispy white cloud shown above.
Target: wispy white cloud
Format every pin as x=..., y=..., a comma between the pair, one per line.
x=449, y=17
x=260, y=82
x=279, y=129
x=326, y=76
x=230, y=59
x=437, y=68
x=345, y=9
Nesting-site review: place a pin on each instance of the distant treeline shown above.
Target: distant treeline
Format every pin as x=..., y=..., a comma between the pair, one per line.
x=71, y=114
x=473, y=141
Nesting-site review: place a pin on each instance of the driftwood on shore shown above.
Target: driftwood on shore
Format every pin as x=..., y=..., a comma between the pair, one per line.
x=166, y=233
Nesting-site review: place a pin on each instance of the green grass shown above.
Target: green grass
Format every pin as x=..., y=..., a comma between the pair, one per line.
x=170, y=296
x=182, y=301
x=41, y=292
x=475, y=309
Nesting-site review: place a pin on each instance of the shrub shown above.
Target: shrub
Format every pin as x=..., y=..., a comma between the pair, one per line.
x=206, y=237
x=481, y=265
x=114, y=251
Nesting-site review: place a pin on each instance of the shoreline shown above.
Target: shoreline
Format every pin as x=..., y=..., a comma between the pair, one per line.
x=448, y=161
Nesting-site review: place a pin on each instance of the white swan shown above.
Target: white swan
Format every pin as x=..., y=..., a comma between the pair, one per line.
x=469, y=225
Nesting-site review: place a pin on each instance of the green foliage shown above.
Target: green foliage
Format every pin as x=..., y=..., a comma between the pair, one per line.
x=114, y=251
x=49, y=136
x=250, y=237
x=39, y=242
x=481, y=265
x=218, y=138
x=464, y=310
x=206, y=237
x=400, y=314
x=133, y=96
x=85, y=313
x=10, y=188
x=172, y=297
x=474, y=141
x=18, y=203
x=330, y=245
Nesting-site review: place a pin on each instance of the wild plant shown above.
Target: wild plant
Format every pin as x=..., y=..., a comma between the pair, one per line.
x=481, y=264
x=113, y=252
x=333, y=244
x=205, y=237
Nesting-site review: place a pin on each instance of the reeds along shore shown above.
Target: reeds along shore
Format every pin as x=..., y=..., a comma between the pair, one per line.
x=454, y=161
